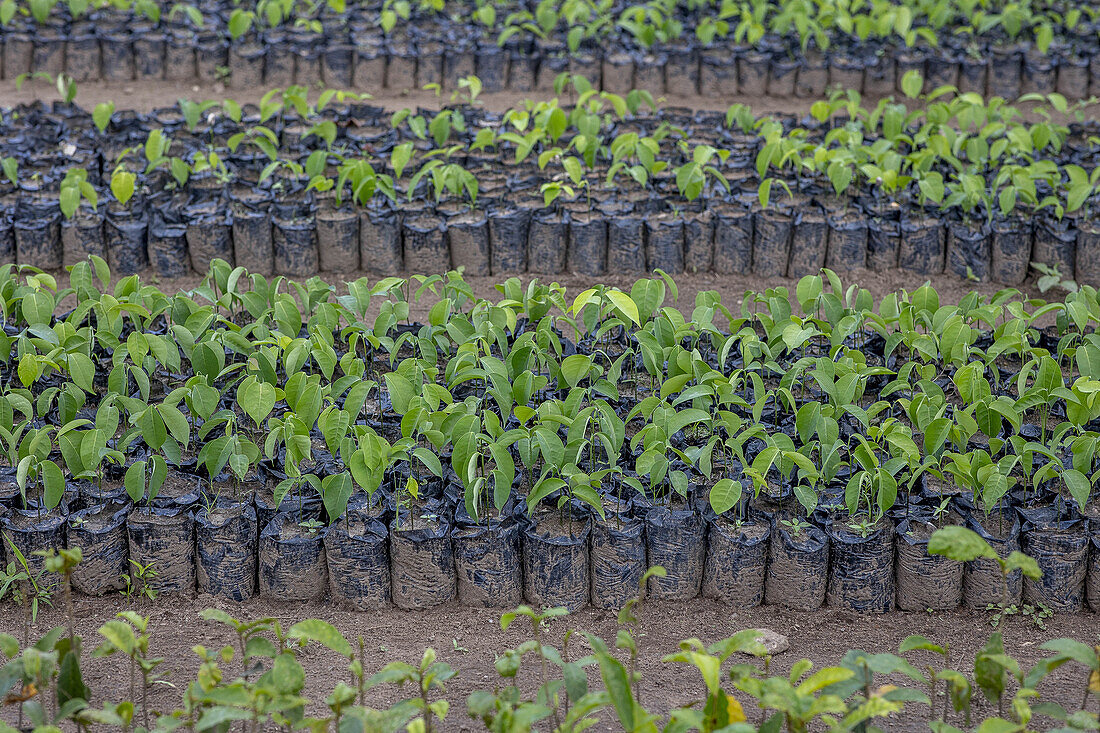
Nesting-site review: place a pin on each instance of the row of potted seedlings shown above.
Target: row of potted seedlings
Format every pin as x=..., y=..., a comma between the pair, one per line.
x=243, y=440
x=676, y=50
x=289, y=188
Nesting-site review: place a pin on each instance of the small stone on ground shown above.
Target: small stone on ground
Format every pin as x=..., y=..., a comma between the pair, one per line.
x=773, y=641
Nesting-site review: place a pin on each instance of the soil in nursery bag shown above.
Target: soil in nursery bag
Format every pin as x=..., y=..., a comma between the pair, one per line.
x=31, y=531
x=338, y=238
x=618, y=72
x=38, y=242
x=82, y=57
x=508, y=239
x=846, y=71
x=1010, y=253
x=295, y=246
x=809, y=243
x=649, y=72
x=18, y=54
x=100, y=532
x=847, y=241
x=813, y=77
x=698, y=242
x=682, y=70
x=491, y=65
x=664, y=243
x=883, y=242
x=861, y=575
x=82, y=236
x=587, y=243
x=880, y=76
x=556, y=562
x=717, y=73
x=291, y=561
x=1060, y=548
x=370, y=65
x=358, y=554
x=163, y=540
x=921, y=246
x=380, y=249
x=733, y=235
x=1092, y=579
x=9, y=488
x=1088, y=253
x=736, y=562
x=252, y=241
x=211, y=55
x=972, y=75
x=7, y=240
x=547, y=243
x=798, y=568
x=337, y=66
x=1004, y=72
x=676, y=540
x=1038, y=75
x=468, y=233
x=118, y=55
x=179, y=56
x=626, y=250
x=969, y=249
x=97, y=492
x=426, y=249
x=1055, y=245
x=618, y=560
x=179, y=489
x=209, y=235
x=771, y=243
x=781, y=80
x=225, y=542
x=304, y=505
x=124, y=237
x=983, y=583
x=488, y=563
x=925, y=582
x=522, y=71
x=422, y=563
x=1073, y=75
x=168, y=250
x=49, y=51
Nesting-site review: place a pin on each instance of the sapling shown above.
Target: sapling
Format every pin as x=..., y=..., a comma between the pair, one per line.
x=62, y=562
x=130, y=637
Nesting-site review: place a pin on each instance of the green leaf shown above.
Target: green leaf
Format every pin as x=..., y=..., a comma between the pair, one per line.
x=122, y=185
x=135, y=481
x=917, y=641
x=959, y=544
x=322, y=632
x=1078, y=485
x=724, y=495
x=624, y=303
x=54, y=481
x=912, y=83
x=70, y=682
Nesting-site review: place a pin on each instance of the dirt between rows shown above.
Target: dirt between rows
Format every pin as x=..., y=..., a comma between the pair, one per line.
x=144, y=96
x=468, y=639
x=147, y=95
x=732, y=288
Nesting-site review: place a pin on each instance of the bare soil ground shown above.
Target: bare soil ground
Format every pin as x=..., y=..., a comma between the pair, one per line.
x=469, y=639
x=143, y=96
x=732, y=288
